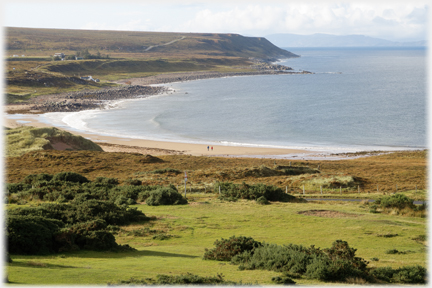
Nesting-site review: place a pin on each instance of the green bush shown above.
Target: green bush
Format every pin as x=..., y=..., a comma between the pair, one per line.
x=184, y=279
x=134, y=182
x=105, y=180
x=165, y=196
x=252, y=192
x=31, y=234
x=405, y=275
x=333, y=264
x=30, y=179
x=70, y=176
x=226, y=249
x=262, y=200
x=398, y=201
x=167, y=170
x=283, y=280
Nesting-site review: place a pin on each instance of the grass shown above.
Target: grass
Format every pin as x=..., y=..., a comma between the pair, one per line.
x=198, y=225
x=406, y=169
x=29, y=139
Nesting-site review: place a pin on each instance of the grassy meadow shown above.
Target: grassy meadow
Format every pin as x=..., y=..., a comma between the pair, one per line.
x=196, y=226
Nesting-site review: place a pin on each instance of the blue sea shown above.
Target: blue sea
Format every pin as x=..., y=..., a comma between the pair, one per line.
x=359, y=99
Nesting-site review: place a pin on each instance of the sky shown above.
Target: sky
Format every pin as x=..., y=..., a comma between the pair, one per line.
x=390, y=20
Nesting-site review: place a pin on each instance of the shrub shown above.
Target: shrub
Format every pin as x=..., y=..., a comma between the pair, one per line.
x=13, y=188
x=332, y=264
x=167, y=170
x=105, y=180
x=253, y=192
x=405, y=275
x=165, y=196
x=70, y=176
x=30, y=179
x=133, y=182
x=398, y=201
x=262, y=200
x=184, y=279
x=228, y=248
x=283, y=280
x=31, y=234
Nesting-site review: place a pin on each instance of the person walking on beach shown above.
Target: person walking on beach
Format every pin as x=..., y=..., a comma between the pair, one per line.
x=212, y=148
x=208, y=148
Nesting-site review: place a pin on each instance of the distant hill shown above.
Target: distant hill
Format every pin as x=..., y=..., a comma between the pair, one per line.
x=327, y=40
x=35, y=41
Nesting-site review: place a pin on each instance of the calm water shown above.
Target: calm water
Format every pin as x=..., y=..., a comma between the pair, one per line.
x=359, y=99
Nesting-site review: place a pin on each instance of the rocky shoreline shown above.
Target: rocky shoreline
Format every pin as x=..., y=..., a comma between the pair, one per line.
x=132, y=88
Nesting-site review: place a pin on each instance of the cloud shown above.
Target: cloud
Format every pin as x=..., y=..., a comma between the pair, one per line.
x=347, y=18
x=133, y=25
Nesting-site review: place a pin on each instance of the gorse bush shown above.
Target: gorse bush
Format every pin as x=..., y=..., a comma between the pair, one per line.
x=253, y=192
x=52, y=227
x=165, y=196
x=405, y=275
x=227, y=248
x=399, y=201
x=332, y=264
x=31, y=234
x=68, y=186
x=184, y=279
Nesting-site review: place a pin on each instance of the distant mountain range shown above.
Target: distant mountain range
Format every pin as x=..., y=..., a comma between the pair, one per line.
x=327, y=40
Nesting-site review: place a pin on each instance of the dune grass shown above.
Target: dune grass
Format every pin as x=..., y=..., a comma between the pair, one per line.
x=196, y=226
x=26, y=139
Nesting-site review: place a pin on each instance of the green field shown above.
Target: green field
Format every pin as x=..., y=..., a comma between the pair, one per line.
x=196, y=226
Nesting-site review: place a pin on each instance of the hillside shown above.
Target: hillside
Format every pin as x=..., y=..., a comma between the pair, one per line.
x=27, y=139
x=142, y=44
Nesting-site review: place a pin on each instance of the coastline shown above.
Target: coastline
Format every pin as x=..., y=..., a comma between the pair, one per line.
x=105, y=98
x=89, y=100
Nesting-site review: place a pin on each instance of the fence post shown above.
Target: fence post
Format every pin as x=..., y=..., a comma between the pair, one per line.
x=286, y=189
x=377, y=188
x=358, y=188
x=290, y=163
x=219, y=189
x=303, y=190
x=321, y=189
x=340, y=190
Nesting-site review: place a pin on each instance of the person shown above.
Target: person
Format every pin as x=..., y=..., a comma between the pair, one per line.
x=212, y=148
x=208, y=148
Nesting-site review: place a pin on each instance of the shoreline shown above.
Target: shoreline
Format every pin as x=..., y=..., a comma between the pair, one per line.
x=102, y=99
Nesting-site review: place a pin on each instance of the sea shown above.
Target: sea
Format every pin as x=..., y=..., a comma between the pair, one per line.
x=358, y=99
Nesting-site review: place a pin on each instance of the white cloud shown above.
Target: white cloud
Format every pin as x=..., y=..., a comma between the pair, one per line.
x=371, y=19
x=133, y=25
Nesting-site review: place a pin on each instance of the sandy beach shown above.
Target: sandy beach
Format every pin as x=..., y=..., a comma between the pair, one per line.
x=116, y=144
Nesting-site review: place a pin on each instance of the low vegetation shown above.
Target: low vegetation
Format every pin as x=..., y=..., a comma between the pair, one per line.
x=335, y=264
x=30, y=139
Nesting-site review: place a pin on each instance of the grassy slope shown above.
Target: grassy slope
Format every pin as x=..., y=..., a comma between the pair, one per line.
x=29, y=139
x=35, y=74
x=199, y=225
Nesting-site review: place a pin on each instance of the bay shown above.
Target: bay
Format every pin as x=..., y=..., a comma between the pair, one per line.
x=358, y=99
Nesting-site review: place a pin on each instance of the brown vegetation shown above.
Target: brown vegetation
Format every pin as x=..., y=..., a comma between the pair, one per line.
x=406, y=169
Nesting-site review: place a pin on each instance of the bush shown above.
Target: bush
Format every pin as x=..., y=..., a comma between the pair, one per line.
x=405, y=275
x=184, y=279
x=262, y=200
x=253, y=192
x=165, y=196
x=31, y=234
x=30, y=179
x=70, y=176
x=333, y=264
x=226, y=249
x=283, y=280
x=133, y=182
x=105, y=180
x=398, y=201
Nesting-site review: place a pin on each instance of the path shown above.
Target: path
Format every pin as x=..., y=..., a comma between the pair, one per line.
x=168, y=43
